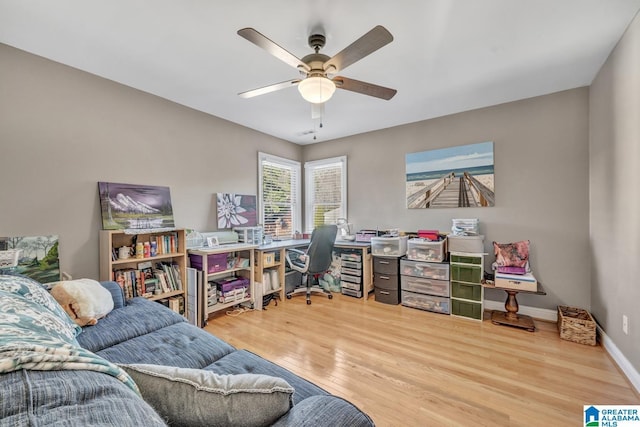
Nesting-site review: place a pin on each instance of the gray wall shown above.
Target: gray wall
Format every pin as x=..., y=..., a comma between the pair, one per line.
x=541, y=182
x=615, y=207
x=63, y=130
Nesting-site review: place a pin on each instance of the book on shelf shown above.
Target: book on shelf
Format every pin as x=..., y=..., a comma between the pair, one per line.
x=162, y=279
x=177, y=304
x=145, y=281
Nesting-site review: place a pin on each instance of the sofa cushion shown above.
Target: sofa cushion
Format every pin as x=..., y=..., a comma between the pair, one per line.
x=182, y=345
x=194, y=397
x=74, y=398
x=117, y=293
x=324, y=411
x=139, y=317
x=244, y=362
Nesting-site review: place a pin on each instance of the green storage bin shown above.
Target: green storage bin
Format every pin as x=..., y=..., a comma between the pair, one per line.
x=466, y=259
x=466, y=273
x=472, y=310
x=466, y=291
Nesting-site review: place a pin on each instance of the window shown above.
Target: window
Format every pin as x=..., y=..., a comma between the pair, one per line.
x=279, y=195
x=325, y=191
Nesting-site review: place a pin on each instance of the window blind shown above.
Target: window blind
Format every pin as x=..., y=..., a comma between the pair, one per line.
x=326, y=191
x=279, y=196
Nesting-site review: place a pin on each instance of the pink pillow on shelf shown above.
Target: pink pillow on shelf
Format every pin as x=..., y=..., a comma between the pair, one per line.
x=512, y=254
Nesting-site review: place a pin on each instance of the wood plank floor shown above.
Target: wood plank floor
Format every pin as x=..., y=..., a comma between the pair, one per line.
x=407, y=367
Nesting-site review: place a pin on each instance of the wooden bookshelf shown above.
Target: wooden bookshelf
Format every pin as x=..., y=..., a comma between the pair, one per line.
x=170, y=251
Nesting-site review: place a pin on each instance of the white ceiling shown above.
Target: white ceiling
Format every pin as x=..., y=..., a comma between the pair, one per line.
x=447, y=56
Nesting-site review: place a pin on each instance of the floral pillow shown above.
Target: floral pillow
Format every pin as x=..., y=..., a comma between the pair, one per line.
x=33, y=297
x=512, y=254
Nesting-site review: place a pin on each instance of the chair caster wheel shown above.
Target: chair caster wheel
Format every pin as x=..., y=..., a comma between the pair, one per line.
x=288, y=296
x=330, y=296
x=308, y=302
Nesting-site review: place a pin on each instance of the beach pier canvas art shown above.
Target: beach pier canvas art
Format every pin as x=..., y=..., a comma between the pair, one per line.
x=130, y=206
x=452, y=177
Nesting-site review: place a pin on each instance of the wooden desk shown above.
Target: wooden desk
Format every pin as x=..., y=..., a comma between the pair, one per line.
x=281, y=246
x=511, y=316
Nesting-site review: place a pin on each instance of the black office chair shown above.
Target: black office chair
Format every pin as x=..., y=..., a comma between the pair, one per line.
x=315, y=261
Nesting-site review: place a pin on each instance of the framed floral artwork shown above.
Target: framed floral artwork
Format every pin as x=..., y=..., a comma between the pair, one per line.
x=236, y=210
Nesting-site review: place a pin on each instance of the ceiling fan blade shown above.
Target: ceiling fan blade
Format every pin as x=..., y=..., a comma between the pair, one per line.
x=365, y=45
x=279, y=52
x=267, y=89
x=364, y=88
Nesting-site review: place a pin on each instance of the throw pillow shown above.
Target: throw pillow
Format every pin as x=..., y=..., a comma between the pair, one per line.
x=512, y=254
x=196, y=397
x=84, y=300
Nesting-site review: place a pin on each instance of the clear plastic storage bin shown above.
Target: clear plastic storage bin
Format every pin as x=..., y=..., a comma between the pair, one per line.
x=426, y=250
x=389, y=246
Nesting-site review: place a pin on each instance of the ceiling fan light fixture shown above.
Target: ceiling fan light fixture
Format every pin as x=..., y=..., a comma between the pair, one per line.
x=316, y=89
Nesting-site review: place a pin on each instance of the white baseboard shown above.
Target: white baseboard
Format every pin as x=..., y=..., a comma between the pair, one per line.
x=552, y=315
x=536, y=313
x=622, y=362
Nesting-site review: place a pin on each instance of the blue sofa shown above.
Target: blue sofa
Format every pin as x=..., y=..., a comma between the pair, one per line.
x=143, y=331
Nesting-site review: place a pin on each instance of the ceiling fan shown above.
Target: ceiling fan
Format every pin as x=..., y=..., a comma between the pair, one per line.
x=319, y=82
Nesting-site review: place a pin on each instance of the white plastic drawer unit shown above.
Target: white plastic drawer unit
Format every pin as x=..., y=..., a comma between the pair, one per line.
x=430, y=270
x=425, y=250
x=348, y=278
x=425, y=302
x=351, y=257
x=349, y=285
x=389, y=246
x=351, y=271
x=425, y=286
x=351, y=264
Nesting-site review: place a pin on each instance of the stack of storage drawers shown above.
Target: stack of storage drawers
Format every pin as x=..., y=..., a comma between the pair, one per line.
x=467, y=292
x=425, y=285
x=385, y=279
x=351, y=274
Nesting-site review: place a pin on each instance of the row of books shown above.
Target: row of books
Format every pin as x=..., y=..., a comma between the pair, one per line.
x=165, y=243
x=157, y=245
x=149, y=279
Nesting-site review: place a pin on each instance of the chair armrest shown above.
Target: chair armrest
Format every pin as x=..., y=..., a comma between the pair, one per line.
x=297, y=251
x=302, y=267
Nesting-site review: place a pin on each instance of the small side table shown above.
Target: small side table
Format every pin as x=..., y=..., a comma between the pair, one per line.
x=511, y=316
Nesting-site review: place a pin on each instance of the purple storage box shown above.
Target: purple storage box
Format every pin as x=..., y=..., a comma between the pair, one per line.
x=215, y=262
x=232, y=283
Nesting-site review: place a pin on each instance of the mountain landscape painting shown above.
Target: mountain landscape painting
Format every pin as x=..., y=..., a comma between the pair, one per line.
x=129, y=206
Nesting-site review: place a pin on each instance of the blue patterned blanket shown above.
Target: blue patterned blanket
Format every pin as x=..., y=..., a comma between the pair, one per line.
x=37, y=334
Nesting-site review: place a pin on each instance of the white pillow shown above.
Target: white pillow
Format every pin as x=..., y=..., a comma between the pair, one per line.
x=196, y=397
x=84, y=300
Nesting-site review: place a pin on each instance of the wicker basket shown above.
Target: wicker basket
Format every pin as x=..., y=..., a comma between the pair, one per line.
x=9, y=258
x=577, y=325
